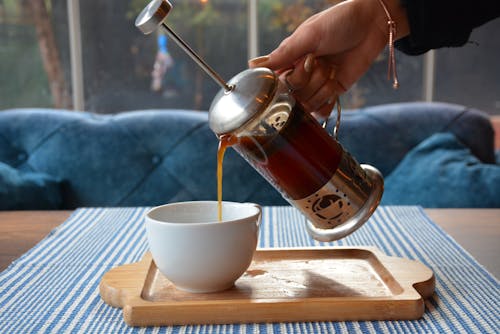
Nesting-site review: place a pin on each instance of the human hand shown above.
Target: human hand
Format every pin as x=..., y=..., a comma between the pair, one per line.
x=331, y=50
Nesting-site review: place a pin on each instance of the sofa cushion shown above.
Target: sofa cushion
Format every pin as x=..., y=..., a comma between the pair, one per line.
x=442, y=172
x=28, y=190
x=136, y=158
x=383, y=135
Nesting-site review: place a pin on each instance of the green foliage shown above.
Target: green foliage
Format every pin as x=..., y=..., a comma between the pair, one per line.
x=23, y=80
x=11, y=7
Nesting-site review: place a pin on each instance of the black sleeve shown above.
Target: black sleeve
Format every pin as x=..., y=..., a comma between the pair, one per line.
x=444, y=23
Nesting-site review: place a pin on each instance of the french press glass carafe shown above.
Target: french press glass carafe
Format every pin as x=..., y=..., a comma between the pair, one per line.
x=286, y=145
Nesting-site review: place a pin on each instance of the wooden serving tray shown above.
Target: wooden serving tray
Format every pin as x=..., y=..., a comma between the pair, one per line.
x=281, y=285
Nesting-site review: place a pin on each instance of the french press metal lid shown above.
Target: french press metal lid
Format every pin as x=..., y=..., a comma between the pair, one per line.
x=251, y=94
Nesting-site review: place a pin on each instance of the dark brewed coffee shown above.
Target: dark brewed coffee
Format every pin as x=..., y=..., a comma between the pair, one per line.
x=298, y=159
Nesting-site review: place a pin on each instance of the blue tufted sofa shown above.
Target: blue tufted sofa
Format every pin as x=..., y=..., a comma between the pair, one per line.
x=434, y=155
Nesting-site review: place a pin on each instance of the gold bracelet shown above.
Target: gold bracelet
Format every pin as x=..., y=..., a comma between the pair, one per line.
x=391, y=68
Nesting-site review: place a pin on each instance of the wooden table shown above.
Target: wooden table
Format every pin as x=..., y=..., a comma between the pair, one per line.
x=477, y=230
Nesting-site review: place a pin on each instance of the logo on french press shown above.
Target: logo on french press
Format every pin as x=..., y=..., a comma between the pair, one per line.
x=330, y=208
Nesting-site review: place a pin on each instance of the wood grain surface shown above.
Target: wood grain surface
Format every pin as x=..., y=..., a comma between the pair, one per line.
x=311, y=284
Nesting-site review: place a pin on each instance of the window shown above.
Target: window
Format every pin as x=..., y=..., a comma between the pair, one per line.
x=30, y=75
x=117, y=61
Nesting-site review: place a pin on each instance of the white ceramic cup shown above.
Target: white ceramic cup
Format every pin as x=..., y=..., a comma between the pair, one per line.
x=195, y=251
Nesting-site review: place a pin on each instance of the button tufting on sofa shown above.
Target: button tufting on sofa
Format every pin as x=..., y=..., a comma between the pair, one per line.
x=155, y=160
x=21, y=156
x=150, y=157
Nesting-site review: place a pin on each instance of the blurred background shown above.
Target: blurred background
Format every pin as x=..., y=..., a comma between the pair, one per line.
x=88, y=55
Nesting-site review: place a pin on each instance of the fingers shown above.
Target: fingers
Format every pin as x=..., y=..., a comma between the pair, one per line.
x=300, y=75
x=314, y=84
x=319, y=83
x=325, y=111
x=313, y=81
x=325, y=95
x=258, y=62
x=291, y=50
x=296, y=47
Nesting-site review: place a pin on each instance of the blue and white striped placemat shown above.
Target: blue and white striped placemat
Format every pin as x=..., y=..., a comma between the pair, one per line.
x=54, y=287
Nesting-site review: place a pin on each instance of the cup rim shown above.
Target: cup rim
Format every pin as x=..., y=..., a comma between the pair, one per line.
x=204, y=223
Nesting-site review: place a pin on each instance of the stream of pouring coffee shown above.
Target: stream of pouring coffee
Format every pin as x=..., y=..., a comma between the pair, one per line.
x=224, y=142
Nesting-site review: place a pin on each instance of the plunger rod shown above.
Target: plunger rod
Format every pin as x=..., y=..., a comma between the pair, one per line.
x=214, y=75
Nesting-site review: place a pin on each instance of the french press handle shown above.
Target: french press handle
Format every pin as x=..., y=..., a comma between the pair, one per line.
x=336, y=128
x=325, y=122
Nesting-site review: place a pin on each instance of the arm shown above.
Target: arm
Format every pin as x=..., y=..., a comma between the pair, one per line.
x=444, y=23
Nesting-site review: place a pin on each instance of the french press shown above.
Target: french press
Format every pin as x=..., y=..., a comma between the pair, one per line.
x=285, y=144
